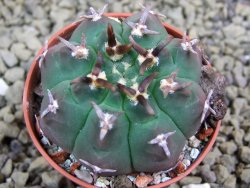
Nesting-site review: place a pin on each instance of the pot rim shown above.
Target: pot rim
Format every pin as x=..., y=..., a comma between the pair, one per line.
x=29, y=120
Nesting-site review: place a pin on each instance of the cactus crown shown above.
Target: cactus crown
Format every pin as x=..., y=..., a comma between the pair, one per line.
x=122, y=95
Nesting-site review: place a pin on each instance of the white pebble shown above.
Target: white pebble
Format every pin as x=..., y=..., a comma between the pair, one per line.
x=131, y=178
x=157, y=178
x=102, y=182
x=165, y=179
x=186, y=162
x=45, y=141
x=84, y=175
x=194, y=153
x=3, y=87
x=194, y=142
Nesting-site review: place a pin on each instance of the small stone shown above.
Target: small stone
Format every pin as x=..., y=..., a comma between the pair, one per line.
x=7, y=168
x=176, y=15
x=242, y=9
x=20, y=51
x=212, y=156
x=190, y=179
x=186, y=162
x=15, y=92
x=38, y=165
x=16, y=146
x=51, y=179
x=6, y=130
x=233, y=31
x=117, y=6
x=5, y=42
x=14, y=74
x=19, y=115
x=84, y=175
x=67, y=4
x=3, y=87
x=228, y=161
x=221, y=173
x=205, y=185
x=23, y=136
x=58, y=14
x=131, y=178
x=9, y=58
x=8, y=118
x=245, y=176
x=164, y=179
x=208, y=175
x=232, y=92
x=102, y=182
x=247, y=137
x=33, y=43
x=194, y=153
x=245, y=154
x=123, y=182
x=194, y=142
x=230, y=182
x=20, y=178
x=157, y=178
x=238, y=136
x=7, y=185
x=228, y=147
x=143, y=180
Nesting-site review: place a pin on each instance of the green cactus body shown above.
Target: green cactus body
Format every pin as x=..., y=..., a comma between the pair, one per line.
x=113, y=113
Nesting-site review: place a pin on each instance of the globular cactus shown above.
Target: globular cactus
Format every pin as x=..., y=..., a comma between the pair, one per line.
x=122, y=95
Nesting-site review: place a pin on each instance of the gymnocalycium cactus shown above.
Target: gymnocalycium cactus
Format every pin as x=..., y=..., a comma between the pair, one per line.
x=122, y=95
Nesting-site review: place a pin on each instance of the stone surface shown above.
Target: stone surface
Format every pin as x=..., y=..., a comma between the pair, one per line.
x=208, y=175
x=221, y=173
x=245, y=176
x=6, y=130
x=14, y=74
x=245, y=154
x=20, y=51
x=20, y=178
x=190, y=180
x=9, y=58
x=7, y=168
x=84, y=175
x=38, y=165
x=228, y=147
x=230, y=182
x=51, y=179
x=122, y=181
x=14, y=93
x=3, y=87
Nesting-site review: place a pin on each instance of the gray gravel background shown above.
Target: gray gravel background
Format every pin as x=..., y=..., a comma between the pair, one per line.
x=223, y=26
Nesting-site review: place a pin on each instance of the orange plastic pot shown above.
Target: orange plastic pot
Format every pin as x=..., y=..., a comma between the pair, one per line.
x=33, y=79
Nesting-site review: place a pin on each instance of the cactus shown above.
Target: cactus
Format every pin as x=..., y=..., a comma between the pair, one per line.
x=122, y=95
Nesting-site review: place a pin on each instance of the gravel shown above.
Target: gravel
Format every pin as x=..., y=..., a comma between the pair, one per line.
x=3, y=87
x=9, y=58
x=222, y=25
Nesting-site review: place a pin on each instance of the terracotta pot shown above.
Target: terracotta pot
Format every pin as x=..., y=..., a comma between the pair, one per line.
x=33, y=79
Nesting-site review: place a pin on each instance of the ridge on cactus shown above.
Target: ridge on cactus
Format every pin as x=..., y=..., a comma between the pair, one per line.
x=123, y=96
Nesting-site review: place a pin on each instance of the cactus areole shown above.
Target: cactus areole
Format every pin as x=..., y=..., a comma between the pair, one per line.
x=122, y=95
